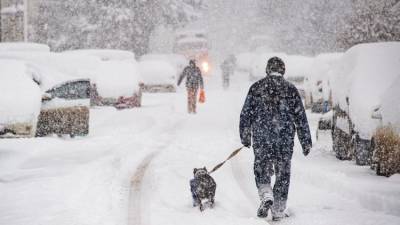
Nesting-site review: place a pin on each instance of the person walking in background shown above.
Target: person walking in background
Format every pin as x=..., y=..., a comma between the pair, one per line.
x=194, y=81
x=272, y=113
x=227, y=67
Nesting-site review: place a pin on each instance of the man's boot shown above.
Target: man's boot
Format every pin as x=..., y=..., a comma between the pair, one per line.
x=267, y=200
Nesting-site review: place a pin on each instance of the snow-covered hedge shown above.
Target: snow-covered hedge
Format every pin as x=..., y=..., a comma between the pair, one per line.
x=20, y=97
x=363, y=75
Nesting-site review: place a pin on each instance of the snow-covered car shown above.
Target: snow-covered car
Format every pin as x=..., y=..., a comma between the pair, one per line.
x=65, y=109
x=317, y=83
x=157, y=76
x=178, y=61
x=61, y=104
x=24, y=47
x=324, y=124
x=114, y=76
x=362, y=76
x=19, y=100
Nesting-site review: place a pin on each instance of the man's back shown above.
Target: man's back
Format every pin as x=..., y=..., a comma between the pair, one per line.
x=273, y=110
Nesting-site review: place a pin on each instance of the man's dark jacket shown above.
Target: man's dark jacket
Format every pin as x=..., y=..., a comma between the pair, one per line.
x=272, y=112
x=193, y=76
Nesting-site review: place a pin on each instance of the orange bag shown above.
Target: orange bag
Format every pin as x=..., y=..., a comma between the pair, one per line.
x=202, y=97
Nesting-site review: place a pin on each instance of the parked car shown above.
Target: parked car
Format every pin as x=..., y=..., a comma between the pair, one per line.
x=318, y=96
x=363, y=75
x=157, y=76
x=114, y=76
x=62, y=109
x=65, y=109
x=115, y=79
x=324, y=124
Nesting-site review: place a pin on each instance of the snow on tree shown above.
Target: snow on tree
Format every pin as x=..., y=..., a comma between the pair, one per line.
x=372, y=21
x=122, y=24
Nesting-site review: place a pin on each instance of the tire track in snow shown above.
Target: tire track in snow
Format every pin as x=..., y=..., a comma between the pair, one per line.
x=136, y=194
x=135, y=212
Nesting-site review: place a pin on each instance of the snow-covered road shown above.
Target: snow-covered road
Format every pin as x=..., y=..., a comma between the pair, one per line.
x=134, y=168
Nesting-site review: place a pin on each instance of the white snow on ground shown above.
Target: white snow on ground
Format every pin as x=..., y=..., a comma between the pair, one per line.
x=87, y=181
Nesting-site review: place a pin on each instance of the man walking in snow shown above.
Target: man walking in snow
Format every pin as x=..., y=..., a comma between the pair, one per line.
x=194, y=80
x=272, y=113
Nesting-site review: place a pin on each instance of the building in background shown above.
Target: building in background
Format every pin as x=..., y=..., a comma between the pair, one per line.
x=14, y=23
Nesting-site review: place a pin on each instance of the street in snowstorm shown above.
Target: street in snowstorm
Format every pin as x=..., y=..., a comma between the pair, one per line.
x=200, y=112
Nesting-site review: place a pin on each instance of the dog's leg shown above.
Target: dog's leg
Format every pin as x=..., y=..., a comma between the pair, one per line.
x=212, y=202
x=201, y=207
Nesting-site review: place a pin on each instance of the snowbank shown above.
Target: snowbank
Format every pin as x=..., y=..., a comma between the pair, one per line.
x=157, y=72
x=104, y=54
x=363, y=74
x=20, y=98
x=23, y=46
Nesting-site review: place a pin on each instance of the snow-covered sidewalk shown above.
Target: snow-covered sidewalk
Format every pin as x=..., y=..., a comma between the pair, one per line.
x=135, y=167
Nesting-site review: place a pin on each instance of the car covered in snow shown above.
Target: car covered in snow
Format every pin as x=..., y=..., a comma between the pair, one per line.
x=317, y=88
x=157, y=76
x=114, y=76
x=362, y=77
x=44, y=101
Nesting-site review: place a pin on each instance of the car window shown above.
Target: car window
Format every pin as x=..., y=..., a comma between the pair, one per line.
x=72, y=90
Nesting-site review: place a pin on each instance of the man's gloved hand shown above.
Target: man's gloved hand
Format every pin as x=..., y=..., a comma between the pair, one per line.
x=246, y=144
x=306, y=150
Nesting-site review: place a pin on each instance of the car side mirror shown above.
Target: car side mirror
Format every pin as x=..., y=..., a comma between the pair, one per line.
x=46, y=97
x=376, y=114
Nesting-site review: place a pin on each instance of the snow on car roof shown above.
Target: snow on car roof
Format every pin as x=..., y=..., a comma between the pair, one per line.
x=112, y=78
x=105, y=54
x=390, y=105
x=49, y=68
x=20, y=98
x=363, y=74
x=177, y=60
x=192, y=40
x=157, y=72
x=24, y=46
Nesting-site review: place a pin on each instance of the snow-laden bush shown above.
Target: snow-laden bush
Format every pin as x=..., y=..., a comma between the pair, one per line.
x=387, y=151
